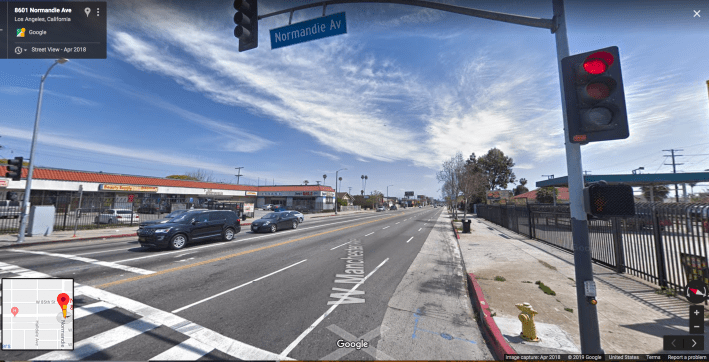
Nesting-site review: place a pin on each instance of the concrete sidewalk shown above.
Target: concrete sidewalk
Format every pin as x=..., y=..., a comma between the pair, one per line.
x=504, y=267
x=119, y=231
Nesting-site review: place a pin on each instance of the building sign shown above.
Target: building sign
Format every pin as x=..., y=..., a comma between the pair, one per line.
x=270, y=193
x=3, y=183
x=108, y=187
x=210, y=192
x=408, y=193
x=251, y=193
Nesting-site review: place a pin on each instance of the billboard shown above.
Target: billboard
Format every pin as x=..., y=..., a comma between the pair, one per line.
x=408, y=193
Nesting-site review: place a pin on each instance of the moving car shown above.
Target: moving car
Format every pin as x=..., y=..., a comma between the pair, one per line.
x=275, y=221
x=381, y=208
x=117, y=216
x=193, y=225
x=393, y=207
x=168, y=217
x=297, y=214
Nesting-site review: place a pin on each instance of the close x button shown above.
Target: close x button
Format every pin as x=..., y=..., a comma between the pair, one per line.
x=683, y=343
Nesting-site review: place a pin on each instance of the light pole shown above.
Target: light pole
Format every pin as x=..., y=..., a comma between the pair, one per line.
x=336, y=172
x=28, y=186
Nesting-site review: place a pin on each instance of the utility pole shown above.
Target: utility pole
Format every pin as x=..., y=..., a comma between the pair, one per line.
x=674, y=169
x=239, y=175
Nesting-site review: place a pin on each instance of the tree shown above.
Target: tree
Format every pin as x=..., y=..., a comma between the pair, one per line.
x=497, y=168
x=306, y=182
x=547, y=195
x=182, y=177
x=659, y=192
x=520, y=189
x=199, y=175
x=450, y=175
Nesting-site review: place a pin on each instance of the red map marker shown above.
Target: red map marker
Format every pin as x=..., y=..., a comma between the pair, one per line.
x=14, y=311
x=63, y=299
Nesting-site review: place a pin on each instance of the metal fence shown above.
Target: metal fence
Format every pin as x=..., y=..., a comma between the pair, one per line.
x=665, y=244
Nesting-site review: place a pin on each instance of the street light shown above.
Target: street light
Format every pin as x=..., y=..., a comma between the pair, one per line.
x=336, y=172
x=28, y=186
x=638, y=169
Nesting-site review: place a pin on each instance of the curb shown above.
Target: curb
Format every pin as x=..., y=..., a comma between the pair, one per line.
x=455, y=230
x=491, y=332
x=76, y=239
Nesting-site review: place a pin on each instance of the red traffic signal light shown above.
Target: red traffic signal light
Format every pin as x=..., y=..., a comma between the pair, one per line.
x=246, y=20
x=14, y=169
x=602, y=200
x=593, y=96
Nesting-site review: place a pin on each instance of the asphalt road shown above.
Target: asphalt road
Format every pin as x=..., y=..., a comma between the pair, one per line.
x=260, y=296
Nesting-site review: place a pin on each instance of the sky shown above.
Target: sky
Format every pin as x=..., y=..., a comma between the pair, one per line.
x=397, y=95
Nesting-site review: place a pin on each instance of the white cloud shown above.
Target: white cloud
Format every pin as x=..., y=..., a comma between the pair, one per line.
x=327, y=155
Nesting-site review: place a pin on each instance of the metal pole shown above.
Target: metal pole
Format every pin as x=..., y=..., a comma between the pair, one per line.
x=336, y=172
x=588, y=314
x=78, y=210
x=28, y=185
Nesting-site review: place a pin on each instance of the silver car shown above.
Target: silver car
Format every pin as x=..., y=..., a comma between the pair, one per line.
x=297, y=214
x=117, y=216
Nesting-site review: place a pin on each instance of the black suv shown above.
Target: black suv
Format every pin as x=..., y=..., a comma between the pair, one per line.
x=191, y=226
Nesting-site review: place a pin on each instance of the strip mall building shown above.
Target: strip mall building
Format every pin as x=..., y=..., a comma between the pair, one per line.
x=64, y=189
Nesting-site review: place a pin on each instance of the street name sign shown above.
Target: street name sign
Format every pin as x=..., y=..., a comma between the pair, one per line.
x=322, y=27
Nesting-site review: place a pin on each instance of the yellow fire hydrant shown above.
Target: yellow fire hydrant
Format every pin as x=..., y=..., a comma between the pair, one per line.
x=529, y=331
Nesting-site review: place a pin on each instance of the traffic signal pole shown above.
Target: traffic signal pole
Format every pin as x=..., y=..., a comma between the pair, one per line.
x=588, y=314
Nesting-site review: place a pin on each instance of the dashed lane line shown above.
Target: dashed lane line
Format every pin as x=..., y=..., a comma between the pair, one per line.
x=107, y=264
x=407, y=241
x=370, y=233
x=245, y=252
x=420, y=229
x=384, y=228
x=340, y=245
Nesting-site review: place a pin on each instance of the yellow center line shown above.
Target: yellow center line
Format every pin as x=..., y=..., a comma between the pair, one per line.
x=139, y=277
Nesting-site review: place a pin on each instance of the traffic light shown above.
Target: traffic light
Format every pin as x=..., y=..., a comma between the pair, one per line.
x=594, y=96
x=246, y=19
x=14, y=169
x=602, y=200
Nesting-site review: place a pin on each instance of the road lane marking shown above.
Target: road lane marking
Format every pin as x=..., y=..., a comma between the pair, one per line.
x=236, y=241
x=191, y=252
x=105, y=251
x=396, y=223
x=340, y=245
x=180, y=261
x=420, y=229
x=235, y=288
x=407, y=241
x=189, y=350
x=107, y=264
x=385, y=228
x=90, y=309
x=101, y=341
x=293, y=344
x=370, y=233
x=245, y=252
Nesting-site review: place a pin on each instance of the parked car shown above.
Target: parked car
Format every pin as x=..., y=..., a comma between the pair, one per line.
x=381, y=208
x=267, y=207
x=393, y=207
x=193, y=225
x=420, y=206
x=275, y=221
x=167, y=217
x=297, y=214
x=117, y=216
x=9, y=209
x=278, y=208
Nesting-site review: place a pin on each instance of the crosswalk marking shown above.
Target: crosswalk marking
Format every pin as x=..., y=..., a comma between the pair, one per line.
x=91, y=309
x=101, y=341
x=188, y=350
x=87, y=260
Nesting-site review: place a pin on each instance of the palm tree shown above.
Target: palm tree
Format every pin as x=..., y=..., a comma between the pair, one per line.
x=306, y=182
x=660, y=192
x=323, y=179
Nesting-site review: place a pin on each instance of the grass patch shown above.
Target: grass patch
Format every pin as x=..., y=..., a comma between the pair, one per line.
x=500, y=279
x=547, y=265
x=665, y=291
x=572, y=279
x=545, y=288
x=569, y=310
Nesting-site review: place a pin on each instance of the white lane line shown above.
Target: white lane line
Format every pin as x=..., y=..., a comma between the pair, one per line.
x=340, y=245
x=397, y=223
x=207, y=336
x=189, y=350
x=420, y=229
x=191, y=252
x=370, y=233
x=99, y=252
x=101, y=341
x=90, y=309
x=425, y=224
x=180, y=261
x=241, y=240
x=235, y=288
x=293, y=344
x=384, y=228
x=87, y=260
x=407, y=241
